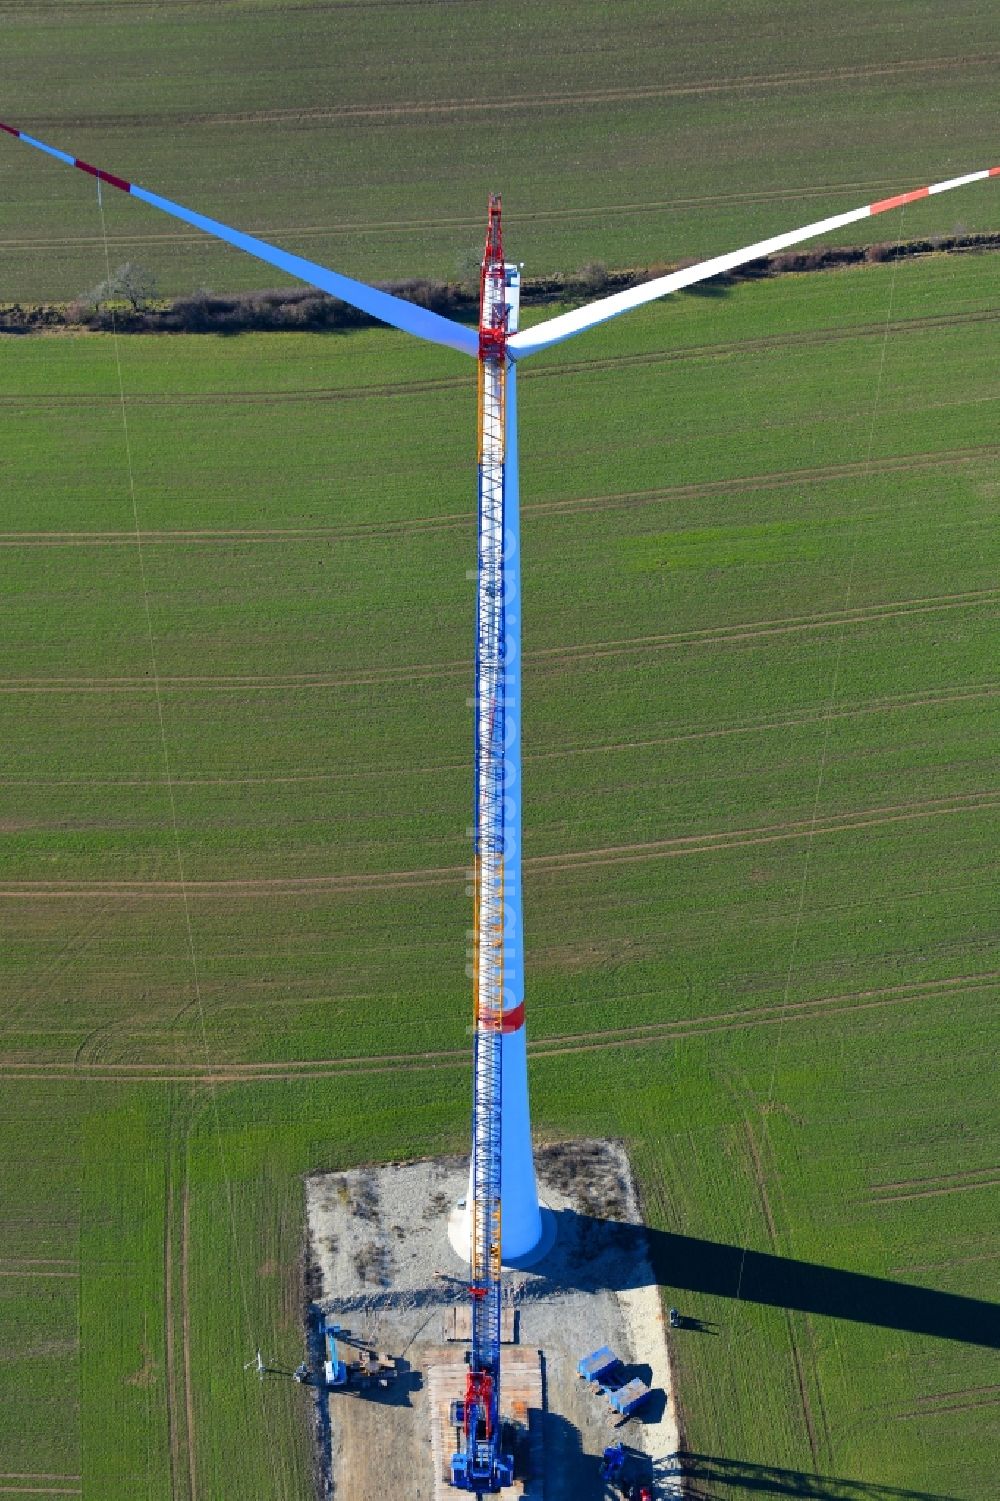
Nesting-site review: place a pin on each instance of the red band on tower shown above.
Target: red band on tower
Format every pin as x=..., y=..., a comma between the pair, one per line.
x=510, y=1021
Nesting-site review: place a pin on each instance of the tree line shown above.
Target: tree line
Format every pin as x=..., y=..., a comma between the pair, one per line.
x=128, y=301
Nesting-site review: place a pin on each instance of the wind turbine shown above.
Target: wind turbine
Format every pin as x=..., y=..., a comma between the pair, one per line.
x=502, y=1167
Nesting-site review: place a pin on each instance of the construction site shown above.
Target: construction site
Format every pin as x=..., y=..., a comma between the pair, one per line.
x=490, y=1323
x=383, y=1274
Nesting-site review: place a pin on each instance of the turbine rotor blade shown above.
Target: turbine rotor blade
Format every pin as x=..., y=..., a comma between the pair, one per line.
x=382, y=305
x=565, y=325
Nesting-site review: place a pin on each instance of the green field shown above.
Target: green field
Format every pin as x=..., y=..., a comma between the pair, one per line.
x=761, y=818
x=761, y=695
x=367, y=135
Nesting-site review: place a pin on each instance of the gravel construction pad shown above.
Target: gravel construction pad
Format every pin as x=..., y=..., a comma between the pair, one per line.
x=379, y=1261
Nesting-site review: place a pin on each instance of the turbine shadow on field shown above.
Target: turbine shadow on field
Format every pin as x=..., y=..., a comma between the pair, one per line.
x=707, y=1476
x=611, y=1253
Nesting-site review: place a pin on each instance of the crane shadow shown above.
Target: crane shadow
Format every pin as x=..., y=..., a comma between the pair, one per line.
x=708, y=1477
x=322, y=1429
x=594, y=1253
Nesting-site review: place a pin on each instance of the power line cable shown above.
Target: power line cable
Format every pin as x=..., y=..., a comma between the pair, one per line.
x=168, y=782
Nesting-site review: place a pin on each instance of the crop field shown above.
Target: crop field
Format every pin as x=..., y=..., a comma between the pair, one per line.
x=367, y=135
x=761, y=819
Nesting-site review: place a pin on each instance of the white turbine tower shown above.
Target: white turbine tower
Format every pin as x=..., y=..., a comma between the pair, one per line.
x=502, y=1170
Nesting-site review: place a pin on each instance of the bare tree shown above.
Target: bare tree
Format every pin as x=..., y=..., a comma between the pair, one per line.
x=130, y=283
x=593, y=277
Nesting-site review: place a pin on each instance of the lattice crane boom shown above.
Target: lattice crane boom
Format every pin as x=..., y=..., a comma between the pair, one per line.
x=480, y=1466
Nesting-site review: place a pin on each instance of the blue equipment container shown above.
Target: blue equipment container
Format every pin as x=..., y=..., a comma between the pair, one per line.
x=625, y=1399
x=598, y=1365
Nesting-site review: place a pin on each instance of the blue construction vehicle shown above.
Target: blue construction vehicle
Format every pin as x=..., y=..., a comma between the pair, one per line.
x=618, y=1467
x=479, y=1465
x=334, y=1369
x=612, y=1462
x=363, y=1366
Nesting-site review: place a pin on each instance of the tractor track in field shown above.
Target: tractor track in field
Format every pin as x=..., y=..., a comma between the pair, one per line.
x=751, y=727
x=238, y=398
x=934, y=1178
x=72, y=1489
x=740, y=838
x=186, y=1338
x=403, y=109
x=558, y=656
x=465, y=521
x=803, y=338
x=236, y=684
x=173, y=1435
x=807, y=1324
x=945, y=1265
x=938, y=1185
x=772, y=1235
x=273, y=885
x=638, y=1035
x=21, y=1266
x=620, y=854
x=760, y=629
x=177, y=1311
x=326, y=394
x=555, y=215
x=41, y=1260
x=968, y=1391
x=936, y=1193
x=724, y=349
x=901, y=703
x=756, y=630
x=930, y=1406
